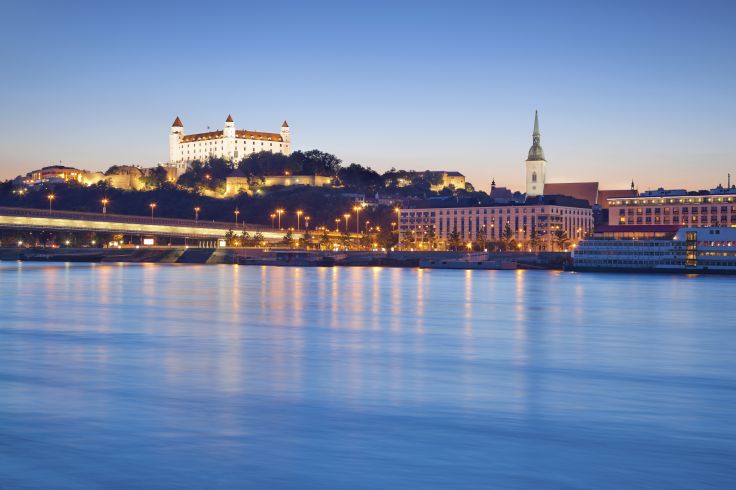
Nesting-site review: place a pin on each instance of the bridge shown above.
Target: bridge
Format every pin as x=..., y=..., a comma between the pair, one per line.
x=207, y=233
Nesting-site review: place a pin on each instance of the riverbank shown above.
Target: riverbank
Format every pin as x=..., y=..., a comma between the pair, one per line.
x=286, y=257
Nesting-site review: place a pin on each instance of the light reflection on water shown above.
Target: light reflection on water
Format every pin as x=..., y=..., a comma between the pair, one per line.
x=225, y=376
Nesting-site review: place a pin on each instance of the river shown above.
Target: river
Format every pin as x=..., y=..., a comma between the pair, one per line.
x=189, y=376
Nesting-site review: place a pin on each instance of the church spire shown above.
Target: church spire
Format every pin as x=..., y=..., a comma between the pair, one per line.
x=536, y=152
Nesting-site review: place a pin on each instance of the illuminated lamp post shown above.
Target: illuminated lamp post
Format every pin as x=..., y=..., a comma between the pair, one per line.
x=273, y=217
x=347, y=217
x=104, y=202
x=337, y=225
x=51, y=198
x=357, y=218
x=153, y=207
x=196, y=214
x=306, y=222
x=279, y=212
x=298, y=216
x=237, y=212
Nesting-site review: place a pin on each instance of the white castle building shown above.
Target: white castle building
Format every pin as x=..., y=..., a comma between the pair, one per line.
x=228, y=143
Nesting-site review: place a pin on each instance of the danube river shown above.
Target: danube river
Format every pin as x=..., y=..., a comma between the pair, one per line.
x=164, y=376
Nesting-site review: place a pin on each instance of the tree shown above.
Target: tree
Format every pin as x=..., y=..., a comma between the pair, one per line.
x=560, y=238
x=507, y=237
x=245, y=239
x=258, y=239
x=453, y=239
x=480, y=239
x=324, y=240
x=360, y=178
x=307, y=240
x=230, y=238
x=431, y=237
x=345, y=239
x=288, y=239
x=155, y=178
x=534, y=240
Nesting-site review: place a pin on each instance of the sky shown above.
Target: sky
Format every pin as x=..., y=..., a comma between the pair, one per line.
x=643, y=90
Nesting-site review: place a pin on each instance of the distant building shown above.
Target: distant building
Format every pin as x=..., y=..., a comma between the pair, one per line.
x=712, y=208
x=60, y=174
x=450, y=179
x=236, y=182
x=443, y=178
x=541, y=216
x=228, y=143
x=289, y=180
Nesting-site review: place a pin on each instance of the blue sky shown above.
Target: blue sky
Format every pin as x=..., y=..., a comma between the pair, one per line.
x=624, y=89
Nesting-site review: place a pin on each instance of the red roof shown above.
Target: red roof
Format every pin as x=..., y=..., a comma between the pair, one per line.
x=177, y=123
x=587, y=191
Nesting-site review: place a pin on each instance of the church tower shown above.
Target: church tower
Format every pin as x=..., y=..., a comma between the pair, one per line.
x=536, y=165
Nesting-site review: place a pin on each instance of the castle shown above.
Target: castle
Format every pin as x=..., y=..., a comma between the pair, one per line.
x=228, y=143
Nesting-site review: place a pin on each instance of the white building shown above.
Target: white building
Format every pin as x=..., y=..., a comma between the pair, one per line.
x=228, y=143
x=541, y=217
x=536, y=164
x=689, y=250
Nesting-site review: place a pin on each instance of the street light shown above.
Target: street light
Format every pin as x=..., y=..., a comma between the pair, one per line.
x=347, y=217
x=104, y=202
x=298, y=215
x=237, y=212
x=152, y=206
x=196, y=214
x=306, y=222
x=51, y=198
x=357, y=218
x=280, y=211
x=273, y=217
x=337, y=225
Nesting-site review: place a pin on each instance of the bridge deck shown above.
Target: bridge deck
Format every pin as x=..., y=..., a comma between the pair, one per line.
x=26, y=218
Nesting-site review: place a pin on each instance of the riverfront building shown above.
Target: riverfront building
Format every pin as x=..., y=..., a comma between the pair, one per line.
x=228, y=143
x=540, y=217
x=715, y=208
x=688, y=250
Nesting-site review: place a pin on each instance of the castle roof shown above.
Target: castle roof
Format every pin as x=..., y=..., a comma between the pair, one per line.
x=229, y=118
x=177, y=123
x=243, y=134
x=285, y=125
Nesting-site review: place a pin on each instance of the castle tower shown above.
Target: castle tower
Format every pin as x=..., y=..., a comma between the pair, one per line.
x=229, y=130
x=175, y=134
x=286, y=136
x=536, y=164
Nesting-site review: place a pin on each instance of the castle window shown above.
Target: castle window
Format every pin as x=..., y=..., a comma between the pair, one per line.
x=534, y=176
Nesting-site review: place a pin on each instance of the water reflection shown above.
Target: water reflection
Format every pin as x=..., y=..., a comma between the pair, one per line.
x=362, y=378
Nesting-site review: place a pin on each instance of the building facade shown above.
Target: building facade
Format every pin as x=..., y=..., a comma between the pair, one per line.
x=536, y=164
x=716, y=208
x=542, y=218
x=690, y=249
x=228, y=143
